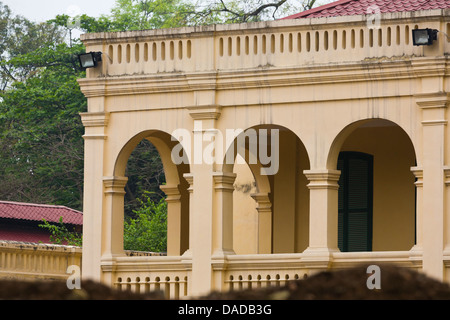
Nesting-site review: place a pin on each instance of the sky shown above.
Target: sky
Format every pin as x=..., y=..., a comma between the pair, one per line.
x=42, y=10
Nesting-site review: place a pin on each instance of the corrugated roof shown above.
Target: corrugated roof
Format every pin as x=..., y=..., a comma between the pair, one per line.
x=359, y=7
x=37, y=212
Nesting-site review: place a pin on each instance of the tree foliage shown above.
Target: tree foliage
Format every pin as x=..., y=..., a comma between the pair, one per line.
x=148, y=231
x=157, y=14
x=61, y=234
x=41, y=146
x=145, y=174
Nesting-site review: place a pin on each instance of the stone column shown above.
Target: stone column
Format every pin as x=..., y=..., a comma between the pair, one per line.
x=112, y=225
x=200, y=230
x=95, y=124
x=113, y=219
x=201, y=202
x=222, y=224
x=264, y=208
x=446, y=253
x=417, y=250
x=434, y=121
x=323, y=221
x=173, y=199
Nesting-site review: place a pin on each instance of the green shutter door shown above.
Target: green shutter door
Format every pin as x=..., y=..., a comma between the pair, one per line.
x=355, y=201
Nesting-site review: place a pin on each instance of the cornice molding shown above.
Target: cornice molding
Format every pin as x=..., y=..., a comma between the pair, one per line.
x=381, y=69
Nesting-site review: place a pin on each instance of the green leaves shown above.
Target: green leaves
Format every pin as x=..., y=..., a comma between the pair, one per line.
x=148, y=231
x=41, y=145
x=159, y=14
x=60, y=234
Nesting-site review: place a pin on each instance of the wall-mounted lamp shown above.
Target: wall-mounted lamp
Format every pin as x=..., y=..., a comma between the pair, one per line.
x=424, y=37
x=89, y=60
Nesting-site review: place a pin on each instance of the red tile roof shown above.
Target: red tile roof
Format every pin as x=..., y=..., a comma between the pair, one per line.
x=359, y=7
x=37, y=212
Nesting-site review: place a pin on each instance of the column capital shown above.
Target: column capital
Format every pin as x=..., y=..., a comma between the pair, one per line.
x=172, y=193
x=115, y=185
x=323, y=179
x=262, y=201
x=95, y=124
x=418, y=173
x=447, y=175
x=189, y=177
x=205, y=112
x=95, y=119
x=432, y=100
x=434, y=106
x=224, y=181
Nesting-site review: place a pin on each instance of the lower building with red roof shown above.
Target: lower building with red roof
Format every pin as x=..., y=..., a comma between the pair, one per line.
x=20, y=221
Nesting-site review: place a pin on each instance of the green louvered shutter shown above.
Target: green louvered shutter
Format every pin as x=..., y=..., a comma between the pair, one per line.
x=355, y=202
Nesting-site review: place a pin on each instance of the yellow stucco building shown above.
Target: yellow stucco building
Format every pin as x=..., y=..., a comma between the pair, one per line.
x=289, y=147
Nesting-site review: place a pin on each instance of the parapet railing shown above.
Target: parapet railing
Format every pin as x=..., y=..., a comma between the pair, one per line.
x=171, y=275
x=263, y=270
x=21, y=260
x=149, y=273
x=284, y=43
x=259, y=271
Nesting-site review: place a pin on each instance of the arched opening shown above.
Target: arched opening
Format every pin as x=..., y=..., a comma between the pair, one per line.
x=145, y=174
x=271, y=197
x=377, y=199
x=156, y=205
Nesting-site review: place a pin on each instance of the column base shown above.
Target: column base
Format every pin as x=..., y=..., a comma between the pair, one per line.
x=318, y=258
x=446, y=259
x=219, y=258
x=416, y=255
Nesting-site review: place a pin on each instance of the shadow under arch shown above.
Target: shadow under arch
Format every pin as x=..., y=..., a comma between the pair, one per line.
x=377, y=194
x=276, y=157
x=341, y=137
x=175, y=188
x=164, y=144
x=249, y=144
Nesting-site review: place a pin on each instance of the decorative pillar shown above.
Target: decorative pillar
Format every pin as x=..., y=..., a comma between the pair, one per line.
x=446, y=253
x=434, y=121
x=264, y=209
x=223, y=213
x=174, y=238
x=417, y=250
x=112, y=225
x=222, y=226
x=190, y=179
x=200, y=230
x=201, y=202
x=113, y=219
x=323, y=220
x=95, y=137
